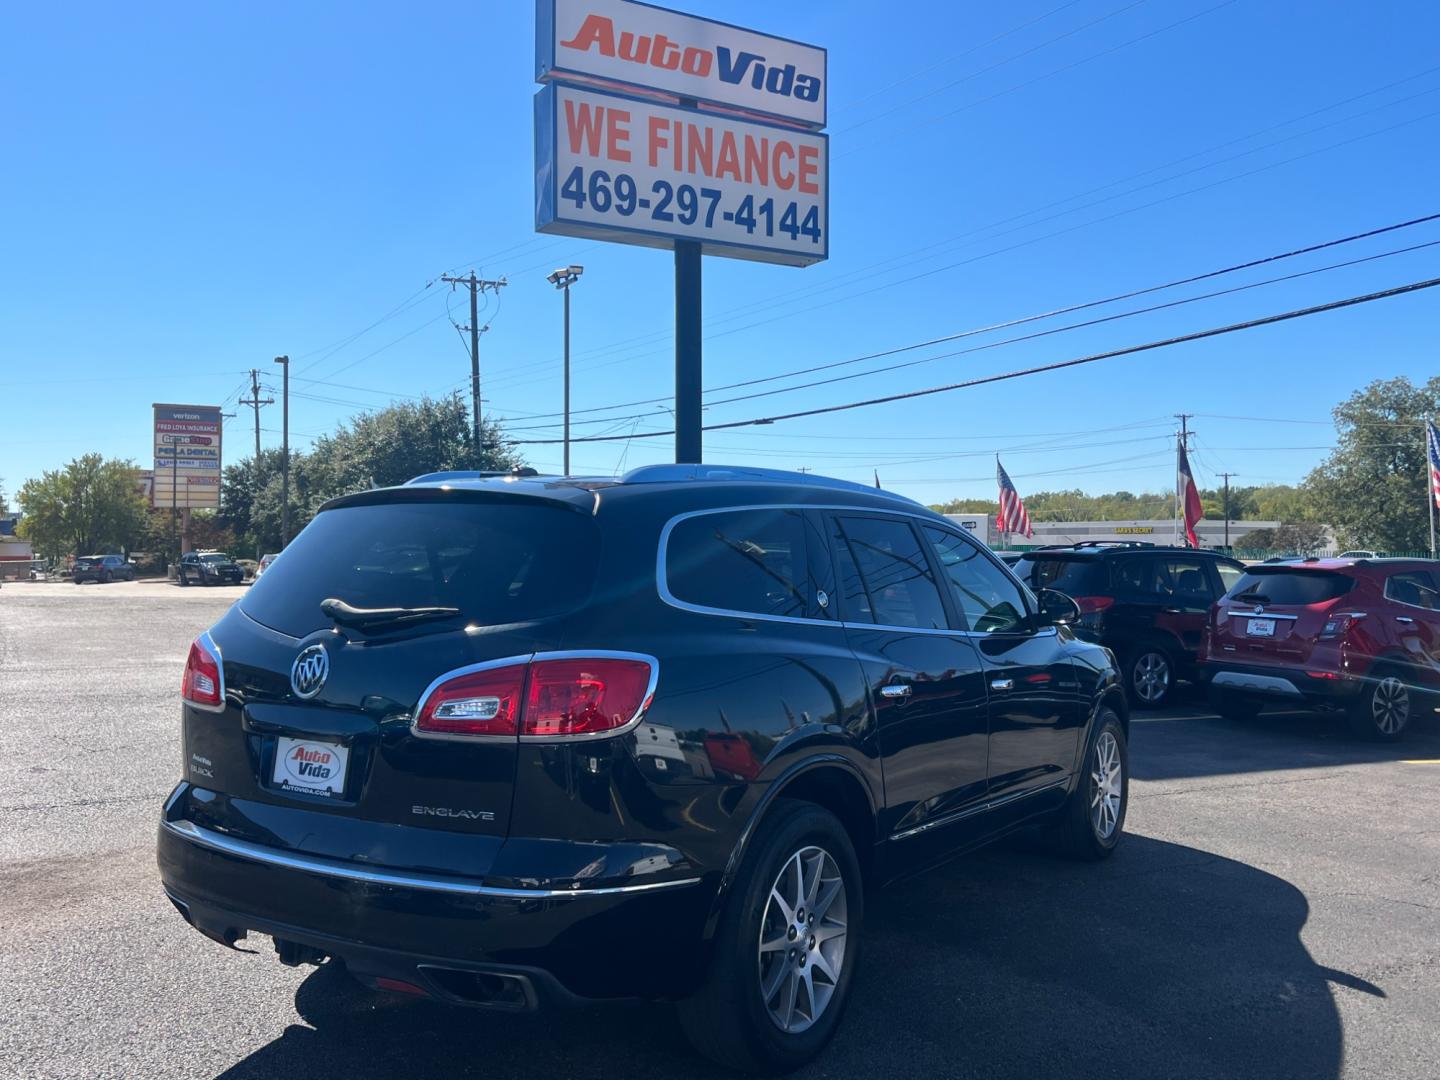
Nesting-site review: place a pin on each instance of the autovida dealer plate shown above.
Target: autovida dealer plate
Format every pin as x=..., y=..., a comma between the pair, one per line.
x=308, y=767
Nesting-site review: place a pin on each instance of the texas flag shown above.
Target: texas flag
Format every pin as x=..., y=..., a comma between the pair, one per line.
x=1189, y=497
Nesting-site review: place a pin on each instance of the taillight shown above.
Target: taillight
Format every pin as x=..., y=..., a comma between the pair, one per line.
x=1340, y=624
x=545, y=698
x=1093, y=605
x=485, y=702
x=201, y=685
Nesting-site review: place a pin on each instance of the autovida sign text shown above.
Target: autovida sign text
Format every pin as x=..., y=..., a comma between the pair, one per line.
x=612, y=43
x=622, y=168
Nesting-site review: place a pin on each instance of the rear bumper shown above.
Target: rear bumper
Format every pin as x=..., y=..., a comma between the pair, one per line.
x=1278, y=684
x=436, y=931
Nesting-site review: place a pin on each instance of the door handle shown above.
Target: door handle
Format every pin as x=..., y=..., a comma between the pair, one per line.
x=1172, y=611
x=1404, y=619
x=895, y=690
x=1002, y=684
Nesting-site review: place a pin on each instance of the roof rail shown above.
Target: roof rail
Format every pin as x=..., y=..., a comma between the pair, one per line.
x=666, y=474
x=470, y=474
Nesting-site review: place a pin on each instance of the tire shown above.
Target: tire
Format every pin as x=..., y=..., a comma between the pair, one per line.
x=1150, y=677
x=1384, y=708
x=1087, y=830
x=105, y=578
x=729, y=1020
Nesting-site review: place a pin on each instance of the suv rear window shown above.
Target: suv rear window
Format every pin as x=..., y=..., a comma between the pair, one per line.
x=1073, y=577
x=497, y=563
x=1299, y=587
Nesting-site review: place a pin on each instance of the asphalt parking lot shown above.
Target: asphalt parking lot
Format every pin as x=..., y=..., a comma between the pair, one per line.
x=1275, y=912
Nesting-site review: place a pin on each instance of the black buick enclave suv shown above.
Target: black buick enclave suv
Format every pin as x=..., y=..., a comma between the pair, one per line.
x=515, y=742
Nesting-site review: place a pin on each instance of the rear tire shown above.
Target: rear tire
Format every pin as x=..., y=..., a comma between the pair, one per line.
x=735, y=1020
x=1384, y=708
x=1150, y=677
x=1093, y=818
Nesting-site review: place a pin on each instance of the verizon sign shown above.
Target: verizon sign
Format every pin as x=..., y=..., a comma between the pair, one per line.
x=620, y=44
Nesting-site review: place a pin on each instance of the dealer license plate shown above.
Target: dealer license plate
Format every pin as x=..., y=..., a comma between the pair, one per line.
x=1260, y=628
x=311, y=767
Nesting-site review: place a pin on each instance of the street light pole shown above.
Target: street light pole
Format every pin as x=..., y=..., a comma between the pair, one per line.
x=284, y=362
x=562, y=279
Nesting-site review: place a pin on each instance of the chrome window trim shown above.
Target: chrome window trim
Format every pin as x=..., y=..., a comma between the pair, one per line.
x=528, y=658
x=1235, y=613
x=314, y=864
x=1401, y=603
x=978, y=808
x=208, y=643
x=663, y=587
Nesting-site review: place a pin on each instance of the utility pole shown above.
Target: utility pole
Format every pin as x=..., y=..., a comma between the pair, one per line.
x=255, y=401
x=1226, y=476
x=284, y=362
x=476, y=286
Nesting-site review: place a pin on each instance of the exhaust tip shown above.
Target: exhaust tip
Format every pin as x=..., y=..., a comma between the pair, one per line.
x=488, y=989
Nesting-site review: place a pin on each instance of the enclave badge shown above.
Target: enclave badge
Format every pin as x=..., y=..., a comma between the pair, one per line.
x=308, y=673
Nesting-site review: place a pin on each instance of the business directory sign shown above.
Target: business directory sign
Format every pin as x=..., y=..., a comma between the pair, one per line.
x=187, y=457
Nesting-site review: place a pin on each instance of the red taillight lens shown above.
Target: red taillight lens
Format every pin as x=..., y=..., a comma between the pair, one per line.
x=201, y=683
x=544, y=698
x=1093, y=605
x=585, y=696
x=476, y=703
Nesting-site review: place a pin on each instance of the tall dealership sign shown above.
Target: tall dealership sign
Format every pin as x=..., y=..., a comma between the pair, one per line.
x=187, y=457
x=663, y=129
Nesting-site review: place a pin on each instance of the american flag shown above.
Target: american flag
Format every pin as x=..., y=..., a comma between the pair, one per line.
x=1013, y=518
x=1432, y=441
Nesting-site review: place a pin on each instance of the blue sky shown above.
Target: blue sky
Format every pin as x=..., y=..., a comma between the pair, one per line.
x=189, y=190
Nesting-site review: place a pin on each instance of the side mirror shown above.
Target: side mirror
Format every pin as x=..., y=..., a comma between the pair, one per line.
x=1057, y=609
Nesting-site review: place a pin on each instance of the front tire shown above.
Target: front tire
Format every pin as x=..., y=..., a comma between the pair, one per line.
x=1151, y=678
x=1093, y=818
x=1384, y=708
x=786, y=949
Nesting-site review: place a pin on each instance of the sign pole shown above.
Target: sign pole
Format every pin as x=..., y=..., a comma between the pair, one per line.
x=1431, y=493
x=688, y=352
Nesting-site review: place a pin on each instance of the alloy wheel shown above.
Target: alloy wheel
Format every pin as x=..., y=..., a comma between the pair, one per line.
x=1152, y=677
x=802, y=939
x=1106, y=786
x=1390, y=705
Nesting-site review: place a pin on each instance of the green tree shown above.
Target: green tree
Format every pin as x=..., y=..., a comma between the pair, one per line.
x=1372, y=487
x=88, y=507
x=1297, y=538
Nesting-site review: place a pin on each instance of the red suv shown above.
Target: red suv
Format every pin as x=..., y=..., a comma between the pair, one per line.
x=1362, y=635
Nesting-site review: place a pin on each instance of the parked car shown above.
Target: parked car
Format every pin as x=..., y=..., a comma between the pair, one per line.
x=1358, y=555
x=102, y=569
x=264, y=563
x=1362, y=636
x=1147, y=604
x=643, y=738
x=209, y=568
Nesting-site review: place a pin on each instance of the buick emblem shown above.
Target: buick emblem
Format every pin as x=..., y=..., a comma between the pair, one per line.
x=307, y=674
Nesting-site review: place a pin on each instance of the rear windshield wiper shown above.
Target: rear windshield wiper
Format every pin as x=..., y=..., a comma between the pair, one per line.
x=368, y=618
x=1253, y=594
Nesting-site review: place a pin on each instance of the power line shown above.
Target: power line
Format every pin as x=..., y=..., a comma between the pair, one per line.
x=1046, y=315
x=1198, y=335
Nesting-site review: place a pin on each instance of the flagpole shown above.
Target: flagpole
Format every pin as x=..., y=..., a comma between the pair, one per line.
x=1175, y=522
x=1430, y=494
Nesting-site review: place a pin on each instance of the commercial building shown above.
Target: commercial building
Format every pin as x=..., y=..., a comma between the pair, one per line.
x=15, y=554
x=1211, y=533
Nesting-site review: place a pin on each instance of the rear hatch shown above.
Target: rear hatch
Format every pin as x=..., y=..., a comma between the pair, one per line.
x=314, y=748
x=1082, y=577
x=1277, y=615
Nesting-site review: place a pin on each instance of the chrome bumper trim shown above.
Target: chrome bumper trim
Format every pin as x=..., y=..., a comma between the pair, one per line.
x=312, y=864
x=1265, y=684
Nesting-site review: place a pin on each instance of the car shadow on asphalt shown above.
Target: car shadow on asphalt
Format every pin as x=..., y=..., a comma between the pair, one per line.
x=1165, y=961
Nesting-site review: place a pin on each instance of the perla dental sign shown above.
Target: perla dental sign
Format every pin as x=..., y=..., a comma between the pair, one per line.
x=614, y=43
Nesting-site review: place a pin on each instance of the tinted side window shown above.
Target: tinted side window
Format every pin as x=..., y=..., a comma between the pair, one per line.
x=1181, y=577
x=885, y=575
x=1229, y=575
x=1414, y=588
x=990, y=600
x=1133, y=575
x=740, y=560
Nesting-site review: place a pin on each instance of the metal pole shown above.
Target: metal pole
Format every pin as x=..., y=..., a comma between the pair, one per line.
x=1430, y=493
x=284, y=362
x=688, y=352
x=475, y=367
x=566, y=290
